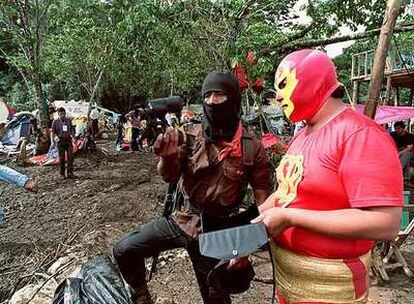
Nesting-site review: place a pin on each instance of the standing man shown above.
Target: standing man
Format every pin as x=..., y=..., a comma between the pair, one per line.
x=211, y=175
x=339, y=189
x=17, y=179
x=404, y=142
x=94, y=116
x=61, y=137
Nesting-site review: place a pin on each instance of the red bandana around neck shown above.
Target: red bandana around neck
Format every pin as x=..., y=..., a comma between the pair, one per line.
x=233, y=148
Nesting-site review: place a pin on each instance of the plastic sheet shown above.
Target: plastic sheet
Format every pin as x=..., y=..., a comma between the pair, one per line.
x=97, y=281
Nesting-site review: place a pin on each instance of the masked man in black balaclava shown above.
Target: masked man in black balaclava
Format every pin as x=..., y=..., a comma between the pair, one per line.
x=207, y=162
x=221, y=107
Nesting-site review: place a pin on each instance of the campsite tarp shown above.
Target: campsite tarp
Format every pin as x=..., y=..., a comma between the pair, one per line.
x=387, y=114
x=77, y=109
x=74, y=109
x=17, y=128
x=52, y=158
x=6, y=112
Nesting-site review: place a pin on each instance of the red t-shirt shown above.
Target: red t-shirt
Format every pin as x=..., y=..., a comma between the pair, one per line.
x=350, y=162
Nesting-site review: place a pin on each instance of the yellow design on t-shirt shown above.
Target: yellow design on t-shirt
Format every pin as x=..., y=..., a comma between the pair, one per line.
x=289, y=173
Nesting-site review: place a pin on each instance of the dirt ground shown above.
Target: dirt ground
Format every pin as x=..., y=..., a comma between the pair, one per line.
x=110, y=196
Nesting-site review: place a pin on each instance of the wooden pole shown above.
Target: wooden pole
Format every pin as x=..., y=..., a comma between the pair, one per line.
x=355, y=95
x=94, y=91
x=387, y=29
x=387, y=100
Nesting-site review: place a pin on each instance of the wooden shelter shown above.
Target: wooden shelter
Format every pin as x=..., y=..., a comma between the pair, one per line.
x=399, y=73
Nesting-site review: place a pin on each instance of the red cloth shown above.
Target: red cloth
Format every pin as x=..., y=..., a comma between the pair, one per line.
x=233, y=148
x=240, y=75
x=11, y=110
x=350, y=162
x=269, y=140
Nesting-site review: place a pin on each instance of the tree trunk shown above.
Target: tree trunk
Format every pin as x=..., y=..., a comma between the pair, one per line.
x=377, y=76
x=388, y=94
x=41, y=104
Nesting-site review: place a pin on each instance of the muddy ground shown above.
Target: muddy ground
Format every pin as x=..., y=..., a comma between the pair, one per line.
x=111, y=195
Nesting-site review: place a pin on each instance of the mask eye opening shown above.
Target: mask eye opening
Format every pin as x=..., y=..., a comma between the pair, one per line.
x=282, y=84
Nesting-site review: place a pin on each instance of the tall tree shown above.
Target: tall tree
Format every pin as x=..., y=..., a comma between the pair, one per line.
x=26, y=21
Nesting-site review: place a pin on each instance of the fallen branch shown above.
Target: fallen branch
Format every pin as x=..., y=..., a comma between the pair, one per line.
x=322, y=42
x=46, y=261
x=264, y=280
x=64, y=267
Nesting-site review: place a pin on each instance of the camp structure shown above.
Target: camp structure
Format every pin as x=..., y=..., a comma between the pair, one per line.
x=80, y=108
x=18, y=127
x=399, y=73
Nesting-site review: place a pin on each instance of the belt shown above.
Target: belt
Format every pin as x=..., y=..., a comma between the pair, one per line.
x=308, y=279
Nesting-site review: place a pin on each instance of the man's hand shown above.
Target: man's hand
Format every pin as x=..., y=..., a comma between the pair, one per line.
x=166, y=145
x=275, y=219
x=238, y=263
x=31, y=186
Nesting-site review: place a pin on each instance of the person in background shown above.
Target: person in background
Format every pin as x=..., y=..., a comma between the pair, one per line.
x=186, y=116
x=61, y=137
x=17, y=179
x=171, y=119
x=339, y=189
x=135, y=121
x=3, y=127
x=94, y=115
x=404, y=142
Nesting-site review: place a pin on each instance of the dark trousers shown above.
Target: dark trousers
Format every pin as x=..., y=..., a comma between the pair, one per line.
x=95, y=128
x=135, y=134
x=65, y=147
x=160, y=235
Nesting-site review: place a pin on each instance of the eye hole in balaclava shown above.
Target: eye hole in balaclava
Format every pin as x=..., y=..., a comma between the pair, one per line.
x=220, y=120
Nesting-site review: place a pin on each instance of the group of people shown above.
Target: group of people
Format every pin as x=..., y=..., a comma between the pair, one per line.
x=141, y=128
x=329, y=207
x=330, y=204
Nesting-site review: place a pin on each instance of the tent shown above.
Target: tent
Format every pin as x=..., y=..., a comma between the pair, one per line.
x=6, y=112
x=77, y=109
x=387, y=114
x=74, y=109
x=17, y=128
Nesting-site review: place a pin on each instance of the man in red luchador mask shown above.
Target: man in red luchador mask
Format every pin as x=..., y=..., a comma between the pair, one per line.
x=332, y=202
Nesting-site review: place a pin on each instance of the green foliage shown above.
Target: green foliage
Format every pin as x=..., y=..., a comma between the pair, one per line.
x=21, y=98
x=154, y=48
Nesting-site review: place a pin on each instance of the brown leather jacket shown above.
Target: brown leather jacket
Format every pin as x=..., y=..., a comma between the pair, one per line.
x=212, y=186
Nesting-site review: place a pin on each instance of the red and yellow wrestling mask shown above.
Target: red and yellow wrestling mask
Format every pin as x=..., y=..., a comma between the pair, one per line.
x=304, y=80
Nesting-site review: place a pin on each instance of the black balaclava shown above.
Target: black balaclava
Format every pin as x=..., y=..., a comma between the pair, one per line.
x=220, y=121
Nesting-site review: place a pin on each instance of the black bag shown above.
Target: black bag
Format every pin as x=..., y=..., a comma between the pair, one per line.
x=233, y=242
x=97, y=281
